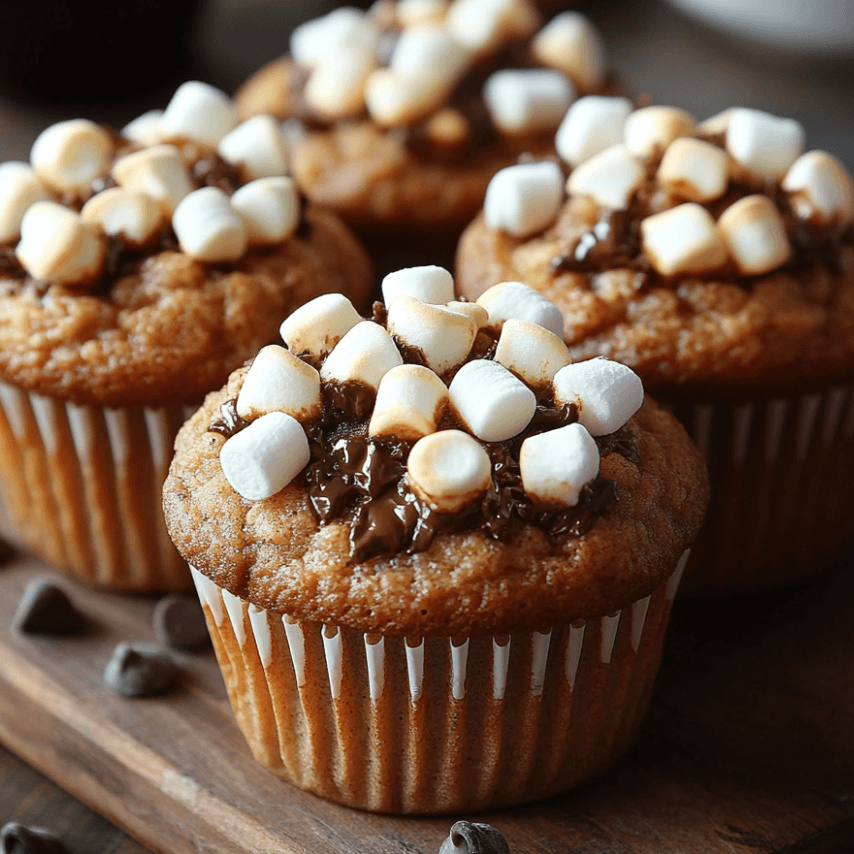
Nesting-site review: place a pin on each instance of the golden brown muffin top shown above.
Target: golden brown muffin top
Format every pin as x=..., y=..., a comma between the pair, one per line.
x=363, y=534
x=708, y=263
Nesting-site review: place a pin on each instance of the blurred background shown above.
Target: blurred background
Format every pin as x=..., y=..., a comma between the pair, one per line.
x=111, y=61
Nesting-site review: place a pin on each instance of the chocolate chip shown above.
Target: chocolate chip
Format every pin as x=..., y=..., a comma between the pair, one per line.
x=140, y=671
x=18, y=839
x=45, y=609
x=179, y=622
x=468, y=838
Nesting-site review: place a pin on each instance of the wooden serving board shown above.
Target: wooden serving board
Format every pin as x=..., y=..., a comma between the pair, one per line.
x=748, y=747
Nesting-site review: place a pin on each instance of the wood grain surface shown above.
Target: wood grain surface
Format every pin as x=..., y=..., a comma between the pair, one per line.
x=748, y=746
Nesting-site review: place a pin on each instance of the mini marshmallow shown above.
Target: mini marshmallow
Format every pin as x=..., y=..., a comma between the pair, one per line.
x=716, y=124
x=532, y=353
x=409, y=404
x=116, y=211
x=57, y=246
x=448, y=470
x=610, y=177
x=258, y=146
x=485, y=25
x=476, y=313
x=336, y=87
x=527, y=100
x=208, y=228
x=443, y=336
x=146, y=129
x=821, y=187
x=316, y=327
x=755, y=234
x=278, y=381
x=269, y=208
x=263, y=458
x=429, y=49
x=324, y=37
x=364, y=354
x=19, y=188
x=396, y=99
x=762, y=144
x=516, y=300
x=492, y=403
x=591, y=125
x=570, y=43
x=694, y=170
x=447, y=127
x=524, y=199
x=413, y=12
x=71, y=155
x=157, y=171
x=430, y=284
x=684, y=239
x=652, y=129
x=199, y=111
x=556, y=465
x=606, y=393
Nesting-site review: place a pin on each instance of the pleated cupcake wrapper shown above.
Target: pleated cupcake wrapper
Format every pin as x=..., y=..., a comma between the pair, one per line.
x=81, y=486
x=437, y=724
x=782, y=474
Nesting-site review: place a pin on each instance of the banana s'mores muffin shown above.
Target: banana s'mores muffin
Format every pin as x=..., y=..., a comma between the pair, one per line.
x=402, y=114
x=436, y=559
x=138, y=270
x=717, y=261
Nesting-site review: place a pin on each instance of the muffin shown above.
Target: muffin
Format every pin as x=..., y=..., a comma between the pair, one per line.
x=436, y=559
x=136, y=275
x=717, y=261
x=401, y=115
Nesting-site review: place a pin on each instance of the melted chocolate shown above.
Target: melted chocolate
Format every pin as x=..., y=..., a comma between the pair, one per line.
x=229, y=422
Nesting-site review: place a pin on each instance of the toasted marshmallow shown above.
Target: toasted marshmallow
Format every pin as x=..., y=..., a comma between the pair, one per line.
x=365, y=354
x=515, y=300
x=821, y=187
x=410, y=402
x=558, y=464
x=652, y=129
x=265, y=457
x=278, y=381
x=429, y=284
x=527, y=100
x=146, y=129
x=492, y=403
x=694, y=170
x=71, y=155
x=571, y=44
x=336, y=87
x=57, y=246
x=684, y=239
x=591, y=125
x=610, y=177
x=448, y=470
x=485, y=25
x=534, y=354
x=755, y=234
x=323, y=37
x=19, y=188
x=606, y=393
x=396, y=99
x=430, y=49
x=447, y=127
x=157, y=171
x=258, y=146
x=208, y=228
x=524, y=199
x=476, y=313
x=134, y=215
x=443, y=336
x=762, y=144
x=718, y=123
x=413, y=12
x=199, y=111
x=316, y=327
x=269, y=208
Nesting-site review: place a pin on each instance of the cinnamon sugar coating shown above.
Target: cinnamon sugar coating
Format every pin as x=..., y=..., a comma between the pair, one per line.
x=274, y=553
x=172, y=328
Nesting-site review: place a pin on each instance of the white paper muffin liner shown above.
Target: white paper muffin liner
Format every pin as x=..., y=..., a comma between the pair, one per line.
x=782, y=478
x=437, y=724
x=81, y=486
